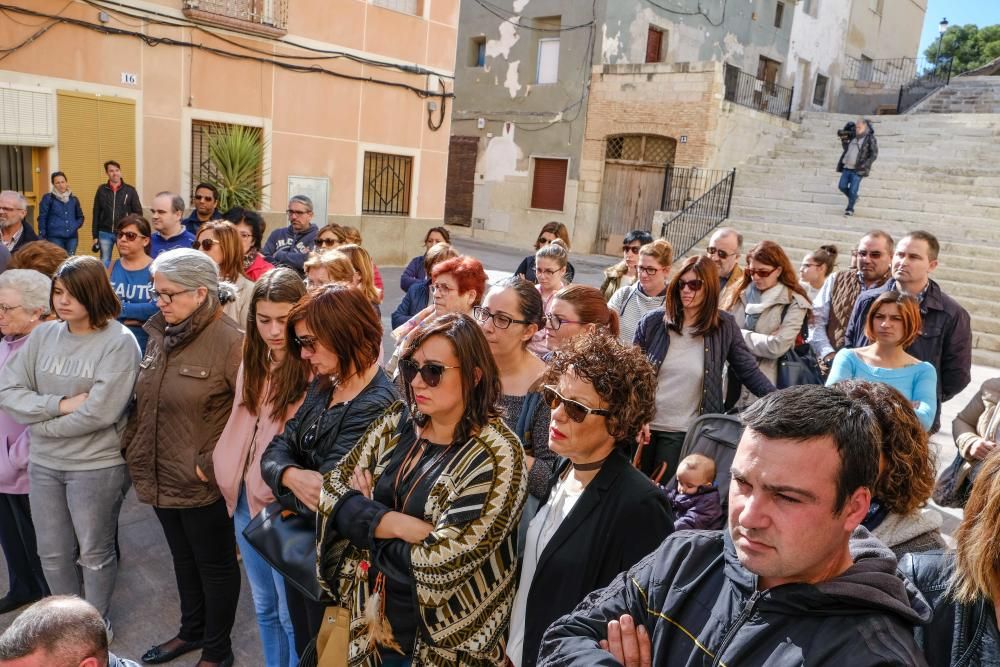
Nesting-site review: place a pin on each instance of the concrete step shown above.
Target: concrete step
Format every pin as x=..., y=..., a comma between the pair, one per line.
x=986, y=358
x=872, y=200
x=969, y=181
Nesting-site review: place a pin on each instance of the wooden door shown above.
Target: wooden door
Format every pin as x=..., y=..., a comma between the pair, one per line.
x=458, y=198
x=629, y=197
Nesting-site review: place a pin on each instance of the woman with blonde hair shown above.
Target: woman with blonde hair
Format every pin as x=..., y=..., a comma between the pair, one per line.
x=331, y=266
x=649, y=292
x=221, y=241
x=352, y=236
x=963, y=586
x=362, y=263
x=551, y=266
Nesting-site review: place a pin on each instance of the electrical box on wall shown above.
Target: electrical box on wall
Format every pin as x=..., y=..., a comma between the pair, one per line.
x=481, y=123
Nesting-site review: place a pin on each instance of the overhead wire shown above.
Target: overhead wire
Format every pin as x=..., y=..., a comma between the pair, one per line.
x=499, y=12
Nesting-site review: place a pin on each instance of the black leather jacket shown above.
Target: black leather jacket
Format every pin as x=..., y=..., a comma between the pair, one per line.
x=959, y=635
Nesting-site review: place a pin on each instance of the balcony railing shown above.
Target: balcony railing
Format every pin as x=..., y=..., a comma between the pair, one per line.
x=267, y=17
x=891, y=72
x=749, y=91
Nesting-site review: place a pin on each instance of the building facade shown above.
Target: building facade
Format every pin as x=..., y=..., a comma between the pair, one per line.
x=351, y=99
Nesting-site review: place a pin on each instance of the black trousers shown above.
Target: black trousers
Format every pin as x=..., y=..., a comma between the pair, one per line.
x=664, y=446
x=17, y=538
x=306, y=616
x=203, y=547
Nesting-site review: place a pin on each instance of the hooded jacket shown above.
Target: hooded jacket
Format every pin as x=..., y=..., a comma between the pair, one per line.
x=286, y=247
x=702, y=607
x=867, y=153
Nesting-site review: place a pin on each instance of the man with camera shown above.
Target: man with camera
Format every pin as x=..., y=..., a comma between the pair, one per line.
x=860, y=152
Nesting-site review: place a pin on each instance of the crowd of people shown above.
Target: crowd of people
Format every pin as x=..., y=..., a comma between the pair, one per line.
x=517, y=482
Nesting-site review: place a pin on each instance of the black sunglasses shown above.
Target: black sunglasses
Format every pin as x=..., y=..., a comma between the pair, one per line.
x=712, y=250
x=129, y=236
x=306, y=343
x=430, y=372
x=204, y=244
x=574, y=409
x=693, y=285
x=631, y=249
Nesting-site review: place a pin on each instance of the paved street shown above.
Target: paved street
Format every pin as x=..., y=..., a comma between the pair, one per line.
x=145, y=609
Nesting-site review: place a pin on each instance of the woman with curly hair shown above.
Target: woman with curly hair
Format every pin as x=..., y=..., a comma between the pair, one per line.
x=906, y=473
x=601, y=515
x=419, y=519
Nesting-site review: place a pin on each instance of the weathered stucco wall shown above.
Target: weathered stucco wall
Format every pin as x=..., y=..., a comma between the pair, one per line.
x=817, y=47
x=893, y=33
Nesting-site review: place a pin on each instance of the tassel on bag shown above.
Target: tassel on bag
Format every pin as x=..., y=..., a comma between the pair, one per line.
x=379, y=629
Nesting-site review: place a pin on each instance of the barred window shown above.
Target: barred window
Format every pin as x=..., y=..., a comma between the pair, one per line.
x=388, y=180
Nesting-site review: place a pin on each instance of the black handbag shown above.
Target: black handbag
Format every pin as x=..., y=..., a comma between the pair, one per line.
x=287, y=541
x=798, y=366
x=955, y=484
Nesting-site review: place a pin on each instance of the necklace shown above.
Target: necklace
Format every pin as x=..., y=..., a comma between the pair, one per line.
x=594, y=465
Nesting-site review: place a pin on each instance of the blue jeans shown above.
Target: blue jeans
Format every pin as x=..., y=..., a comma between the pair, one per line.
x=69, y=245
x=268, y=589
x=107, y=242
x=850, y=183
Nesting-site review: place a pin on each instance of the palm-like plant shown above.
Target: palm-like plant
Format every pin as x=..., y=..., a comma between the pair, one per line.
x=237, y=155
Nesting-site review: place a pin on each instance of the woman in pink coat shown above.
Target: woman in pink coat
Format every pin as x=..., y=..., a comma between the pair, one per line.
x=270, y=387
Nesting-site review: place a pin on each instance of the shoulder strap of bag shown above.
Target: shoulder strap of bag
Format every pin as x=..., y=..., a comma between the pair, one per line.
x=526, y=419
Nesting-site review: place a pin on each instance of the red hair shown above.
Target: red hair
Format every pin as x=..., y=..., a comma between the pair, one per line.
x=468, y=273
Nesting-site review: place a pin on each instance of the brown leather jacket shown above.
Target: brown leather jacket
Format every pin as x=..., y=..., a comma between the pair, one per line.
x=184, y=395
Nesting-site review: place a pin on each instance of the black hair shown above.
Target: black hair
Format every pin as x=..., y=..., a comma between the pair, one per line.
x=640, y=235
x=208, y=186
x=111, y=163
x=812, y=411
x=52, y=178
x=237, y=215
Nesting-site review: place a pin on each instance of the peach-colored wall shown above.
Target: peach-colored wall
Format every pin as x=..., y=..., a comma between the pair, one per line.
x=316, y=123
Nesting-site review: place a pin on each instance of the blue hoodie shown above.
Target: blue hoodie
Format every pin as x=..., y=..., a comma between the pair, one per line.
x=286, y=247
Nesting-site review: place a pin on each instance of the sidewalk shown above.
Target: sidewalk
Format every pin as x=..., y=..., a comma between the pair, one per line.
x=145, y=610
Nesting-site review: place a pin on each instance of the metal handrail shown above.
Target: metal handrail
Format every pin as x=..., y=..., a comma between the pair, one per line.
x=756, y=93
x=921, y=87
x=700, y=217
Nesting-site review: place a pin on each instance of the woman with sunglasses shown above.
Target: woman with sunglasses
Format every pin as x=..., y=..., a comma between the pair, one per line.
x=689, y=343
x=633, y=302
x=574, y=310
x=330, y=237
x=130, y=276
x=220, y=241
x=510, y=315
x=551, y=231
x=770, y=307
x=601, y=515
x=250, y=227
x=416, y=272
x=623, y=273
x=336, y=331
x=419, y=519
x=270, y=386
x=183, y=398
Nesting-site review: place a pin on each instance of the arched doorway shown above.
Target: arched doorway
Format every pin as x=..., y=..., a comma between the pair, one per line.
x=634, y=169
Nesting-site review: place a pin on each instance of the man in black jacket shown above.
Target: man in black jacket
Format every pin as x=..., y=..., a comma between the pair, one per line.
x=112, y=202
x=793, y=580
x=945, y=339
x=856, y=161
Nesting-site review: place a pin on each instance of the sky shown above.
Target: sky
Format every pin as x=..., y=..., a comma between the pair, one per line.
x=958, y=12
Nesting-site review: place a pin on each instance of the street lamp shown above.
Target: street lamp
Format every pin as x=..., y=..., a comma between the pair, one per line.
x=942, y=29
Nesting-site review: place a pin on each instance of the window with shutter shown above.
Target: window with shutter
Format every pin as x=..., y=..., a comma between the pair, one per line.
x=548, y=186
x=654, y=45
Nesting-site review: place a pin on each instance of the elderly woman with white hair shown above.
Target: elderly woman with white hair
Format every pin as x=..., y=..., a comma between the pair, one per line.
x=24, y=304
x=184, y=395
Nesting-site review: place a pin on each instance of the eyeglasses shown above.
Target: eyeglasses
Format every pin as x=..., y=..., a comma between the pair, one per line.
x=129, y=236
x=326, y=243
x=631, y=249
x=306, y=342
x=500, y=321
x=295, y=213
x=553, y=321
x=443, y=289
x=760, y=273
x=722, y=254
x=693, y=285
x=874, y=254
x=649, y=270
x=204, y=244
x=166, y=297
x=246, y=235
x=548, y=272
x=204, y=198
x=4, y=308
x=574, y=409
x=430, y=372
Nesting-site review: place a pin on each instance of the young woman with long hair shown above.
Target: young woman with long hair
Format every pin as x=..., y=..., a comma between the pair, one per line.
x=270, y=387
x=220, y=241
x=574, y=310
x=362, y=263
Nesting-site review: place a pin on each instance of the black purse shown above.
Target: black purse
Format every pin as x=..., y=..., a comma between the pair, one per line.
x=287, y=541
x=799, y=365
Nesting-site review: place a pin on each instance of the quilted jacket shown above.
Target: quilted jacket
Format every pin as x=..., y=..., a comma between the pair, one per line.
x=183, y=398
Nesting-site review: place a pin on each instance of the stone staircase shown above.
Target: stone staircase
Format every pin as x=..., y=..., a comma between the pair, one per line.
x=937, y=172
x=964, y=94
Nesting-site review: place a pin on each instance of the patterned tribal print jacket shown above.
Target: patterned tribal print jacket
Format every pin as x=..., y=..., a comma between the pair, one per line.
x=465, y=571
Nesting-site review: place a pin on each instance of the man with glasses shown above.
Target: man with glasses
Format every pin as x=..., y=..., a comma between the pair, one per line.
x=725, y=248
x=169, y=232
x=205, y=207
x=112, y=202
x=290, y=246
x=945, y=339
x=14, y=229
x=836, y=298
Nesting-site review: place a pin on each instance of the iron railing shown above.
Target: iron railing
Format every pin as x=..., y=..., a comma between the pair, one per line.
x=685, y=185
x=388, y=181
x=266, y=13
x=749, y=91
x=889, y=72
x=923, y=85
x=700, y=217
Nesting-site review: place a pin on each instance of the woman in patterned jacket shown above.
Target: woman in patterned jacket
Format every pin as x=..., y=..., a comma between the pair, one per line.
x=419, y=519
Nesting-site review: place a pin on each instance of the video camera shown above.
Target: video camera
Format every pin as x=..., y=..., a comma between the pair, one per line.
x=848, y=132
